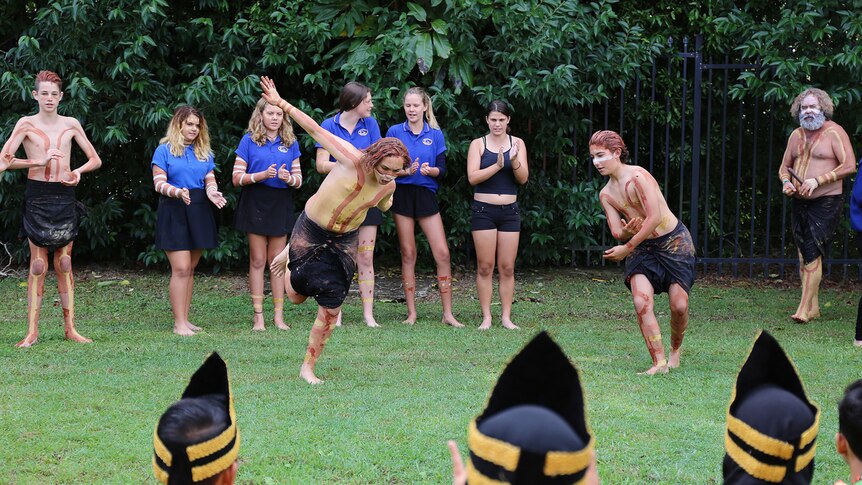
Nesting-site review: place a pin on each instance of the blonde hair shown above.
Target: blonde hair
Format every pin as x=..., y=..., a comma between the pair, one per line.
x=823, y=99
x=174, y=135
x=258, y=131
x=426, y=101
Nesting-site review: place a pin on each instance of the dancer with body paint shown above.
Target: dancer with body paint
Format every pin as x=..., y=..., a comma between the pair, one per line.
x=817, y=157
x=354, y=124
x=658, y=249
x=496, y=165
x=50, y=210
x=183, y=174
x=321, y=256
x=415, y=199
x=267, y=168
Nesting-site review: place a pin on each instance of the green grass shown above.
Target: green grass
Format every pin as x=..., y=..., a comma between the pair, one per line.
x=73, y=413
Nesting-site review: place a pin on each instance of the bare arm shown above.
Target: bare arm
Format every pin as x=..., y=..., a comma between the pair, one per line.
x=241, y=177
x=476, y=175
x=787, y=185
x=843, y=153
x=93, y=160
x=519, y=163
x=648, y=197
x=160, y=181
x=212, y=191
x=322, y=162
x=7, y=154
x=386, y=202
x=343, y=151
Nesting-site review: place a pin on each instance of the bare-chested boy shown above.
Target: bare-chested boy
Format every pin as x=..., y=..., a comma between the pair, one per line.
x=50, y=210
x=658, y=251
x=820, y=155
x=322, y=248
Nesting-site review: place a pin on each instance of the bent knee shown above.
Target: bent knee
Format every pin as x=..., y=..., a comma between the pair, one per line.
x=65, y=265
x=38, y=267
x=642, y=304
x=679, y=308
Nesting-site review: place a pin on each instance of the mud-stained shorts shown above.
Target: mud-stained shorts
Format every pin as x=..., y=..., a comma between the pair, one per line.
x=51, y=214
x=322, y=263
x=814, y=222
x=664, y=260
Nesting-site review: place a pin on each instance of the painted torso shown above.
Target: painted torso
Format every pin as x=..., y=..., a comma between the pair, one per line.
x=626, y=195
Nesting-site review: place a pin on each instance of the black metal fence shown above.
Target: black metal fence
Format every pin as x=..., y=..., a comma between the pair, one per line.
x=716, y=154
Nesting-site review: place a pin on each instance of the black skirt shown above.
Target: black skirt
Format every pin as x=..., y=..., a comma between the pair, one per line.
x=373, y=218
x=50, y=214
x=265, y=210
x=181, y=227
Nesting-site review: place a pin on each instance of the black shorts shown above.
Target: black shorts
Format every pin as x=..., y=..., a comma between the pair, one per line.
x=504, y=218
x=181, y=227
x=265, y=210
x=664, y=260
x=51, y=214
x=414, y=201
x=814, y=222
x=374, y=217
x=322, y=263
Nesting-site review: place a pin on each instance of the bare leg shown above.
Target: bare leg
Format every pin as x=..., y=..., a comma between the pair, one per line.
x=320, y=332
x=279, y=269
x=432, y=226
x=66, y=289
x=181, y=271
x=365, y=266
x=486, y=254
x=257, y=261
x=642, y=296
x=274, y=246
x=507, y=250
x=407, y=241
x=811, y=274
x=195, y=259
x=35, y=289
x=678, y=322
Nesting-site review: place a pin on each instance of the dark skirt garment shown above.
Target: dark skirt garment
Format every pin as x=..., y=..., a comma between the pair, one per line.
x=264, y=210
x=414, y=201
x=814, y=222
x=181, y=227
x=664, y=260
x=322, y=263
x=374, y=217
x=50, y=214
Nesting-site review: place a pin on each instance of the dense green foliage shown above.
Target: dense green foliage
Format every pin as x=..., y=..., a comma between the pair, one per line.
x=392, y=396
x=126, y=64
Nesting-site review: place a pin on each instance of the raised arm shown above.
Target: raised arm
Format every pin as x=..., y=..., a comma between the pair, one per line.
x=343, y=151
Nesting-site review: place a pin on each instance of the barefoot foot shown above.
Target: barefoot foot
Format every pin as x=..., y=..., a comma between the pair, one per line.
x=29, y=340
x=508, y=324
x=74, y=336
x=193, y=327
x=673, y=361
x=371, y=322
x=857, y=343
x=411, y=319
x=452, y=321
x=799, y=318
x=658, y=368
x=307, y=373
x=183, y=330
x=486, y=324
x=258, y=325
x=279, y=322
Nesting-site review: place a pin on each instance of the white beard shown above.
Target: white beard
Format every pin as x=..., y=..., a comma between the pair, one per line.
x=812, y=122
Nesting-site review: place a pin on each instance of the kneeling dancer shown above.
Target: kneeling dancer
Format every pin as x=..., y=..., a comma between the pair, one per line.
x=320, y=259
x=658, y=251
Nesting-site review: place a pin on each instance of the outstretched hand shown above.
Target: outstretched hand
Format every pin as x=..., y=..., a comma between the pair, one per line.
x=216, y=198
x=459, y=474
x=270, y=94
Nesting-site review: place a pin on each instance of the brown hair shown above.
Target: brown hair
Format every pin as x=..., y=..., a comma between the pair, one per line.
x=174, y=135
x=823, y=99
x=612, y=141
x=352, y=94
x=48, y=77
x=258, y=132
x=383, y=148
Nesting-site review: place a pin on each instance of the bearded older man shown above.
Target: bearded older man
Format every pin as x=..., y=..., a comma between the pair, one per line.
x=817, y=157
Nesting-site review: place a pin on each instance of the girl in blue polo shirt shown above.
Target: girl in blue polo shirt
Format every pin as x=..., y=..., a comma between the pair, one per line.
x=355, y=124
x=415, y=199
x=267, y=168
x=183, y=175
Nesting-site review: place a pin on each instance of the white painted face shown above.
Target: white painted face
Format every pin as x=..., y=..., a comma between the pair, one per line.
x=388, y=169
x=190, y=129
x=603, y=159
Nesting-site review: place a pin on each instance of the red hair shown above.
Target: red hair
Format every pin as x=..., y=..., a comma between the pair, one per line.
x=612, y=141
x=384, y=148
x=48, y=77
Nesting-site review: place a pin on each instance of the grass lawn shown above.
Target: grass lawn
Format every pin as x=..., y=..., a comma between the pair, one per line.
x=72, y=413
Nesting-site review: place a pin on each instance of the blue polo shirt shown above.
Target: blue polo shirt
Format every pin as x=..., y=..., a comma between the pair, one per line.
x=186, y=171
x=427, y=145
x=366, y=132
x=856, y=201
x=259, y=158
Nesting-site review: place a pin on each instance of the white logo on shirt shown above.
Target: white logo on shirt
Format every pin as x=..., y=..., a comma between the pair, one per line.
x=282, y=149
x=363, y=132
x=427, y=141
